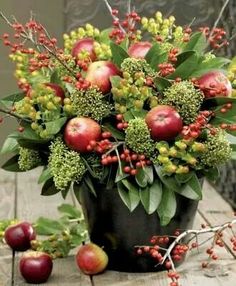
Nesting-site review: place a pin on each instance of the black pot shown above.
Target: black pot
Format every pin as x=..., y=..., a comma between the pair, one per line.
x=114, y=227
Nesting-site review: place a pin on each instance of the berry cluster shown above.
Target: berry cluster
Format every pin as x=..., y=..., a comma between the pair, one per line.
x=126, y=27
x=216, y=37
x=166, y=69
x=172, y=56
x=122, y=124
x=101, y=146
x=193, y=130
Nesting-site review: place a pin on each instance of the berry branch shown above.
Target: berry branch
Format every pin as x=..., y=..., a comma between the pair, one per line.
x=12, y=114
x=178, y=248
x=28, y=36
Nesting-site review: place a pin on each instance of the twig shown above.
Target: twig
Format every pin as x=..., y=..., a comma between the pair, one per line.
x=219, y=17
x=113, y=16
x=196, y=232
x=10, y=113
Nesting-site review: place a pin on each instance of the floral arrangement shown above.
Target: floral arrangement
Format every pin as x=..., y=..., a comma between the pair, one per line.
x=151, y=116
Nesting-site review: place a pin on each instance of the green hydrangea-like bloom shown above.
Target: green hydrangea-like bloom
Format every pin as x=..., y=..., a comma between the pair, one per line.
x=218, y=150
x=138, y=137
x=90, y=103
x=28, y=159
x=65, y=165
x=133, y=66
x=185, y=98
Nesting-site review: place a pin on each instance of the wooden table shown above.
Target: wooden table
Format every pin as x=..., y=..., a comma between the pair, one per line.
x=20, y=197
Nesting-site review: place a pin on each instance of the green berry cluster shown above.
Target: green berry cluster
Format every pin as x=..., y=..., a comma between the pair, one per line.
x=4, y=224
x=65, y=165
x=41, y=106
x=28, y=159
x=131, y=91
x=137, y=137
x=181, y=93
x=90, y=103
x=180, y=157
x=218, y=149
x=164, y=28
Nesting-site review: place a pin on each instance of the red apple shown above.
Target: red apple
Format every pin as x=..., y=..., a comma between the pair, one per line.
x=18, y=236
x=86, y=44
x=99, y=74
x=215, y=83
x=164, y=122
x=79, y=131
x=91, y=259
x=57, y=89
x=139, y=49
x=36, y=267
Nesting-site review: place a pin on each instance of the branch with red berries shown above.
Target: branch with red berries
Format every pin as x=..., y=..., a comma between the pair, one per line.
x=182, y=242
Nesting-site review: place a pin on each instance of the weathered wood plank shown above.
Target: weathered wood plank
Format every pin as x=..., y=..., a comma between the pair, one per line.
x=7, y=211
x=31, y=205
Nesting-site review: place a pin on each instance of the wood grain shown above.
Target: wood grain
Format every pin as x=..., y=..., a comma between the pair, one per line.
x=30, y=206
x=7, y=211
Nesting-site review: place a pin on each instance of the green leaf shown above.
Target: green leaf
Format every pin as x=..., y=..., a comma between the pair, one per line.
x=115, y=80
x=65, y=192
x=151, y=196
x=104, y=36
x=190, y=190
x=45, y=176
x=197, y=43
x=120, y=175
x=141, y=178
x=149, y=174
x=70, y=211
x=212, y=174
x=78, y=188
x=49, y=188
x=115, y=133
x=45, y=226
x=186, y=68
x=129, y=194
x=12, y=164
x=9, y=100
x=53, y=127
x=55, y=78
x=155, y=56
x=169, y=181
x=118, y=53
x=184, y=56
x=128, y=115
x=89, y=183
x=167, y=207
x=161, y=83
x=183, y=178
x=9, y=146
x=211, y=64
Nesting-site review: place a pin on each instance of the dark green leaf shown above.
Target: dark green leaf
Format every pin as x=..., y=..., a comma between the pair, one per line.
x=79, y=188
x=45, y=226
x=12, y=165
x=149, y=173
x=155, y=56
x=9, y=146
x=184, y=56
x=186, y=68
x=212, y=64
x=151, y=196
x=115, y=133
x=118, y=54
x=167, y=207
x=71, y=211
x=45, y=175
x=89, y=183
x=53, y=127
x=129, y=194
x=9, y=100
x=49, y=188
x=65, y=192
x=197, y=43
x=161, y=83
x=32, y=144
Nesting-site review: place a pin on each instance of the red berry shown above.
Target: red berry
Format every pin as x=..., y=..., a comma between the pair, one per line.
x=127, y=169
x=119, y=117
x=133, y=172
